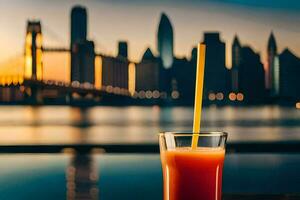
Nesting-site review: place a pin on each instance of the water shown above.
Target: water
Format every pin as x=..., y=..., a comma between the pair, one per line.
x=134, y=176
x=137, y=176
x=69, y=125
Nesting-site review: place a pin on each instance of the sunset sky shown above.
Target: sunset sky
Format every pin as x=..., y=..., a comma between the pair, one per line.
x=137, y=21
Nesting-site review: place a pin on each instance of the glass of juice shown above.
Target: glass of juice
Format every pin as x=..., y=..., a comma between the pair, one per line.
x=192, y=174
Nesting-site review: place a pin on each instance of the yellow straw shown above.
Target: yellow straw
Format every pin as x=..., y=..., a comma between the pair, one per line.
x=198, y=94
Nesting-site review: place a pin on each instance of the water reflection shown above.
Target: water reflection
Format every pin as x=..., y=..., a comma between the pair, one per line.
x=133, y=176
x=68, y=125
x=82, y=178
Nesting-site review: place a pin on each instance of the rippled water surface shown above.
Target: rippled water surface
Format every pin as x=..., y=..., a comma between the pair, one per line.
x=62, y=124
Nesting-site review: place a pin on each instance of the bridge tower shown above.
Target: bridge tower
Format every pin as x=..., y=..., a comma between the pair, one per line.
x=33, y=68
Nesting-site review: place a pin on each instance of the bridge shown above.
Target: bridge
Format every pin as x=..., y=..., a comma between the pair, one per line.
x=108, y=77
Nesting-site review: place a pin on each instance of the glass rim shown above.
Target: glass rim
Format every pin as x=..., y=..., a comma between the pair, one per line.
x=190, y=134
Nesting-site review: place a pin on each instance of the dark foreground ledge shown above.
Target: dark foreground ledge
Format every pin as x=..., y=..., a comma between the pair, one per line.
x=242, y=147
x=259, y=197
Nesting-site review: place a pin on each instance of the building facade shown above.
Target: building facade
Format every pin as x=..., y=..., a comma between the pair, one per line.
x=216, y=77
x=289, y=75
x=149, y=73
x=251, y=76
x=114, y=73
x=84, y=61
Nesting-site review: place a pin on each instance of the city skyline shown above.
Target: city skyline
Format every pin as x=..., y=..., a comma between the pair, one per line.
x=161, y=78
x=146, y=37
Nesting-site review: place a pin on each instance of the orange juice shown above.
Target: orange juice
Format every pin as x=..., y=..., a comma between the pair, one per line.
x=193, y=174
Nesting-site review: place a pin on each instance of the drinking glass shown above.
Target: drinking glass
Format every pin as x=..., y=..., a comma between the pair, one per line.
x=192, y=174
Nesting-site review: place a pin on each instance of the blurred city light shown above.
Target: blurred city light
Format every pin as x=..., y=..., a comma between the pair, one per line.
x=232, y=96
x=240, y=97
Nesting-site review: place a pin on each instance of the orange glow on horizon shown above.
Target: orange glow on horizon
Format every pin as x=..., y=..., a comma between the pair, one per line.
x=98, y=72
x=6, y=80
x=56, y=66
x=12, y=67
x=39, y=61
x=131, y=78
x=39, y=65
x=28, y=57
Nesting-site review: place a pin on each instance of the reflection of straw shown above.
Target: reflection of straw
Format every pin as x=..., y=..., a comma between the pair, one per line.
x=198, y=94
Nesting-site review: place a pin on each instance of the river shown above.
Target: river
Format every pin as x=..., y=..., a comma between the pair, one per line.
x=65, y=125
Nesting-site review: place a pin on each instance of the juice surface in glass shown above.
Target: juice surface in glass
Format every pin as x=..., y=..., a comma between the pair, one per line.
x=193, y=174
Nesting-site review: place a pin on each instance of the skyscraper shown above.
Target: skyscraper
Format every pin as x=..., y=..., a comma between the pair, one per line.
x=114, y=72
x=236, y=62
x=122, y=49
x=165, y=43
x=251, y=76
x=183, y=79
x=289, y=75
x=148, y=72
x=78, y=24
x=272, y=77
x=84, y=61
x=78, y=34
x=215, y=78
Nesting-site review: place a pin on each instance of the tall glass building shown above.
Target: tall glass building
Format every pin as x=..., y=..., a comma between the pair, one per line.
x=165, y=41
